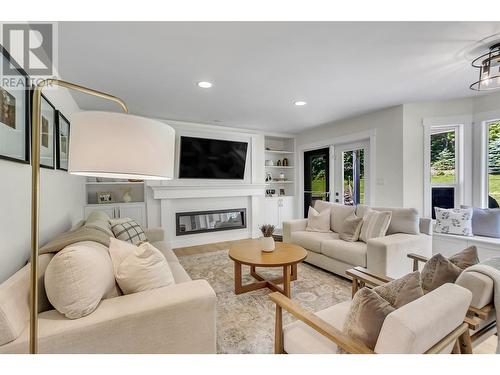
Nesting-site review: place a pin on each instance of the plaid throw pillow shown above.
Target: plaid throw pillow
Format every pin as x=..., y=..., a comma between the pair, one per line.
x=128, y=230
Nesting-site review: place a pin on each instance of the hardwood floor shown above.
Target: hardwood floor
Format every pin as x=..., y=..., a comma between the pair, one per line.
x=486, y=347
x=191, y=250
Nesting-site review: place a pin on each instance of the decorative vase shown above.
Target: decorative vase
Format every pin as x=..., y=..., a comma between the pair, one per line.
x=126, y=197
x=267, y=244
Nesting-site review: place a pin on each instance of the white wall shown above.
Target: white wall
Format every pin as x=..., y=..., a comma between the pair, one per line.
x=62, y=200
x=388, y=127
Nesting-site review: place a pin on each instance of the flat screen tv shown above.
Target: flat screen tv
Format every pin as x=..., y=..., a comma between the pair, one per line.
x=212, y=158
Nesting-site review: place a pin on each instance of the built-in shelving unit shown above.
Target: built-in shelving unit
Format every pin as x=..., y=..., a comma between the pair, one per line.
x=128, y=198
x=280, y=165
x=281, y=205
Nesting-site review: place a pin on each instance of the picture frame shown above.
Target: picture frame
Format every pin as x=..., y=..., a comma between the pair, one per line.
x=282, y=192
x=47, y=134
x=62, y=142
x=104, y=197
x=14, y=113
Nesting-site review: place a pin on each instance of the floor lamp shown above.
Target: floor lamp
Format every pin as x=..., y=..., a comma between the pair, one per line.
x=102, y=144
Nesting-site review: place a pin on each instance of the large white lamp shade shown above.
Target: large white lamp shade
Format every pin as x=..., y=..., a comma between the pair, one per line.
x=119, y=145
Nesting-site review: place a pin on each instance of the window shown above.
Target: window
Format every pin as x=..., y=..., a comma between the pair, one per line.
x=443, y=174
x=493, y=164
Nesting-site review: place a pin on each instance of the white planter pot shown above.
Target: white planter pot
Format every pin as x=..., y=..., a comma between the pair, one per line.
x=267, y=244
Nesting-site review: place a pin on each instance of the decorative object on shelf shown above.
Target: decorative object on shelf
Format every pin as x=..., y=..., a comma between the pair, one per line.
x=269, y=163
x=62, y=142
x=104, y=197
x=126, y=197
x=282, y=177
x=489, y=70
x=267, y=241
x=47, y=132
x=278, y=163
x=269, y=177
x=270, y=192
x=282, y=192
x=14, y=112
x=134, y=180
x=285, y=162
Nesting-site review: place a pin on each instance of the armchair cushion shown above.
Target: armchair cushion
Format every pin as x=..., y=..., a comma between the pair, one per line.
x=299, y=338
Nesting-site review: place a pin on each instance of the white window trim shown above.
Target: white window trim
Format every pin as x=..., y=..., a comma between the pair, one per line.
x=463, y=165
x=484, y=160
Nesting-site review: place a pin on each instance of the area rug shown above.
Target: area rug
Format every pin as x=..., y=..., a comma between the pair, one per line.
x=245, y=322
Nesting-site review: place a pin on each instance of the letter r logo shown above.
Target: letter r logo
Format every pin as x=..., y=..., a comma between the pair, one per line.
x=31, y=45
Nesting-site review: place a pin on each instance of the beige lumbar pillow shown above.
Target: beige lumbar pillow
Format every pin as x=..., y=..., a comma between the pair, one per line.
x=439, y=270
x=375, y=224
x=318, y=221
x=351, y=228
x=370, y=307
x=78, y=277
x=139, y=268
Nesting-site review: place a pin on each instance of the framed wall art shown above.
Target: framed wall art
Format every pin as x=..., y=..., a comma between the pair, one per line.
x=62, y=142
x=14, y=112
x=47, y=134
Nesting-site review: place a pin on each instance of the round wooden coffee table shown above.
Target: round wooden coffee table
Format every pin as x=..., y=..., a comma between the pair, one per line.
x=249, y=252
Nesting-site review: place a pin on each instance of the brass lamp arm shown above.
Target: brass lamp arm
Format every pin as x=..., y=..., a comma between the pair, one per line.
x=35, y=189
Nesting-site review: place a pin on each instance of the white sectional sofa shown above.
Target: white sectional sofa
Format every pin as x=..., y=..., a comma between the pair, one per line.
x=178, y=318
x=386, y=255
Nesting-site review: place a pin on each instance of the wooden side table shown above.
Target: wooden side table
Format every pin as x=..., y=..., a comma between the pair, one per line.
x=249, y=253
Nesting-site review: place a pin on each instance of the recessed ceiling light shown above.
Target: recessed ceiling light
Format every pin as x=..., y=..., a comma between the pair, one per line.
x=299, y=103
x=204, y=84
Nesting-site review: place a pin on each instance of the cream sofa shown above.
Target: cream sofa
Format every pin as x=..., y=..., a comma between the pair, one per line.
x=178, y=318
x=386, y=255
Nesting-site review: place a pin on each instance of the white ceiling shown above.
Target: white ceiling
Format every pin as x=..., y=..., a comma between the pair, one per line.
x=259, y=69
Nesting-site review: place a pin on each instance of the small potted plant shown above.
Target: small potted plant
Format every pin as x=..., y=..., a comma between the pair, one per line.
x=267, y=241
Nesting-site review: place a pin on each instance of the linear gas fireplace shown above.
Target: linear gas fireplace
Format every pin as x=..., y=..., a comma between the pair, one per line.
x=210, y=221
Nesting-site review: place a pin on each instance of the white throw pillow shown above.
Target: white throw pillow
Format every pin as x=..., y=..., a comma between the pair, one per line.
x=78, y=277
x=375, y=224
x=454, y=221
x=127, y=229
x=139, y=268
x=318, y=221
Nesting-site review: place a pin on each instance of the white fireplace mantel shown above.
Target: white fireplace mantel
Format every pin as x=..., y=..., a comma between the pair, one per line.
x=208, y=191
x=185, y=198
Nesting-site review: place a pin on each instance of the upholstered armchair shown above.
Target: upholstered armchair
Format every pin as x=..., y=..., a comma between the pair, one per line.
x=481, y=315
x=430, y=324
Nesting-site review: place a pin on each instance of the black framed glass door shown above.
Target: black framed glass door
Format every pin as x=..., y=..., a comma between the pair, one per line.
x=316, y=177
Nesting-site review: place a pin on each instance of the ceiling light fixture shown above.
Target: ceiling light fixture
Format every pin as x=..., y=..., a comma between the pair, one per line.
x=299, y=103
x=204, y=84
x=489, y=70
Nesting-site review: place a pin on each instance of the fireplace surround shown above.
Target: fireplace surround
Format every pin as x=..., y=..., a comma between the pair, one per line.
x=210, y=221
